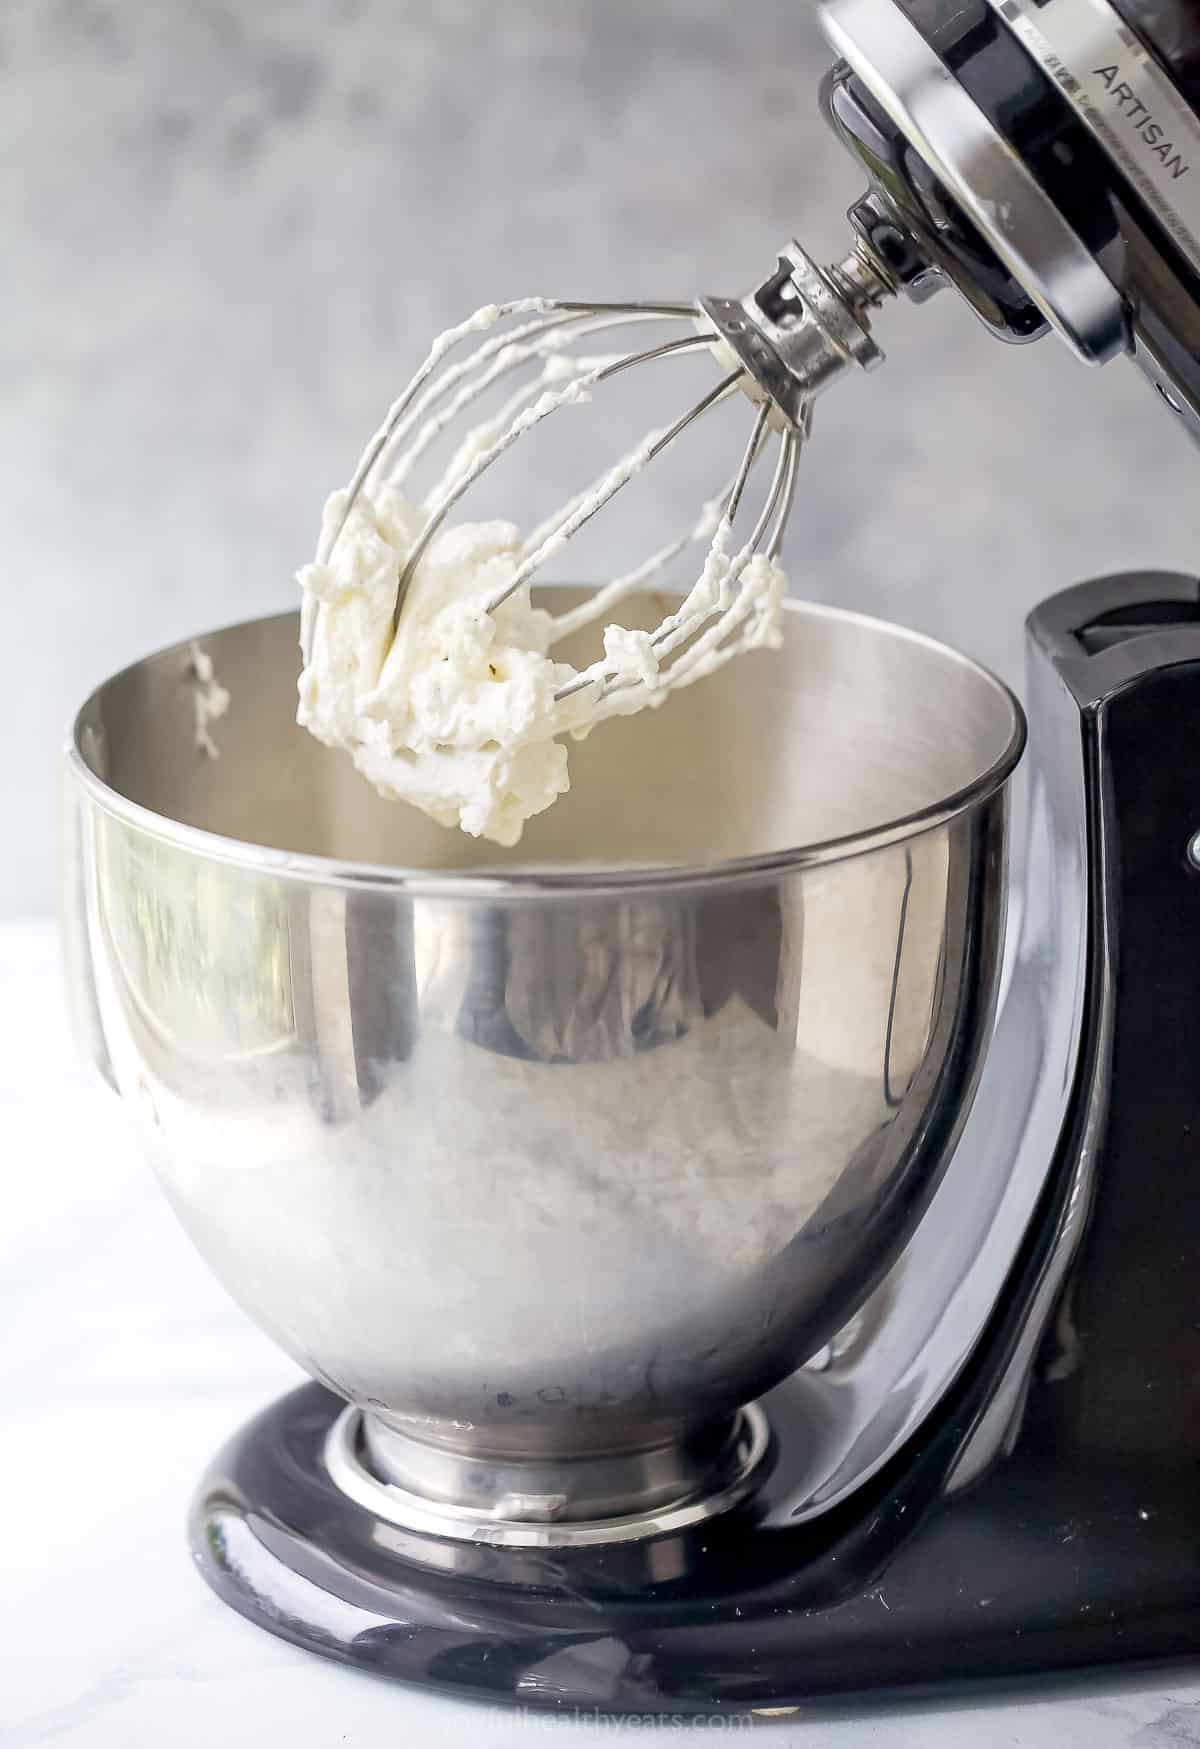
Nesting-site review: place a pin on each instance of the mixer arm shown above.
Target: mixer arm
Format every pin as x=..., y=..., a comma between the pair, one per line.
x=1040, y=156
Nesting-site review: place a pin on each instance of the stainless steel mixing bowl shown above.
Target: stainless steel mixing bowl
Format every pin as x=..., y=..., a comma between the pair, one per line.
x=550, y=1159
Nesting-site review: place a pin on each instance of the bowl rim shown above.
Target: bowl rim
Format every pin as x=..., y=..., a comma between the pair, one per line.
x=315, y=870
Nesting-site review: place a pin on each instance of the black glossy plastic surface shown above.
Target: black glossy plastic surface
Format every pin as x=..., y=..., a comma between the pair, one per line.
x=1077, y=1546
x=993, y=67
x=1170, y=29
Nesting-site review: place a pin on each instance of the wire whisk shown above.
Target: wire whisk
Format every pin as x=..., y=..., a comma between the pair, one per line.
x=535, y=344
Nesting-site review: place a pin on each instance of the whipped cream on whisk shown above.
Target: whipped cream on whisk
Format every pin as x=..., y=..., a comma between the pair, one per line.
x=460, y=706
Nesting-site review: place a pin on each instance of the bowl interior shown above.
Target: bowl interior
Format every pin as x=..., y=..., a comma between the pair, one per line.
x=853, y=725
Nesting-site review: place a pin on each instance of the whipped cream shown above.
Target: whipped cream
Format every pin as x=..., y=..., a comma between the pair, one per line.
x=210, y=699
x=461, y=707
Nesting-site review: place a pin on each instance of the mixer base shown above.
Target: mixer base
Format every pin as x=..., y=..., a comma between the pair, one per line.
x=1038, y=1569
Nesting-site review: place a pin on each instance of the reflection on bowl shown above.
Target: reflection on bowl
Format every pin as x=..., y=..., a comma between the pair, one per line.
x=552, y=1158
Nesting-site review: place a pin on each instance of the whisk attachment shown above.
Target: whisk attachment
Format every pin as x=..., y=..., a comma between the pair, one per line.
x=545, y=335
x=424, y=654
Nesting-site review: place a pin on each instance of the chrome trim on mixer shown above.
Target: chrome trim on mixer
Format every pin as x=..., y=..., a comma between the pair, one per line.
x=982, y=171
x=1117, y=90
x=1179, y=391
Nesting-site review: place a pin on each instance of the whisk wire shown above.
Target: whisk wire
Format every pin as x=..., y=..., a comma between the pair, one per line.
x=607, y=597
x=549, y=314
x=472, y=377
x=688, y=343
x=684, y=633
x=796, y=444
x=619, y=476
x=724, y=610
x=757, y=434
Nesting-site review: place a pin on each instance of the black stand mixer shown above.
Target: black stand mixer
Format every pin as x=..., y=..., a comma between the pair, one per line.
x=1044, y=1517
x=987, y=1467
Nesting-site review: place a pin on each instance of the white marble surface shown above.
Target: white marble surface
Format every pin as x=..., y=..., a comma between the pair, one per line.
x=124, y=1367
x=228, y=229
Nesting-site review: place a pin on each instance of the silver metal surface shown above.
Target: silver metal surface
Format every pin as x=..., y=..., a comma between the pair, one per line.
x=804, y=326
x=1141, y=121
x=1174, y=371
x=1124, y=99
x=571, y=1153
x=982, y=171
x=546, y=1504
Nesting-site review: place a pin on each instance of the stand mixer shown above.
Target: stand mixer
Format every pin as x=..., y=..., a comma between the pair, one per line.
x=726, y=1277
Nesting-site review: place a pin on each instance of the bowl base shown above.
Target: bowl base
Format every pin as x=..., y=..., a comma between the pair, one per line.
x=572, y=1504
x=288, y=1547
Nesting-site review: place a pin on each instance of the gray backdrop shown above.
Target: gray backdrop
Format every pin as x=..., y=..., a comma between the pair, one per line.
x=228, y=228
